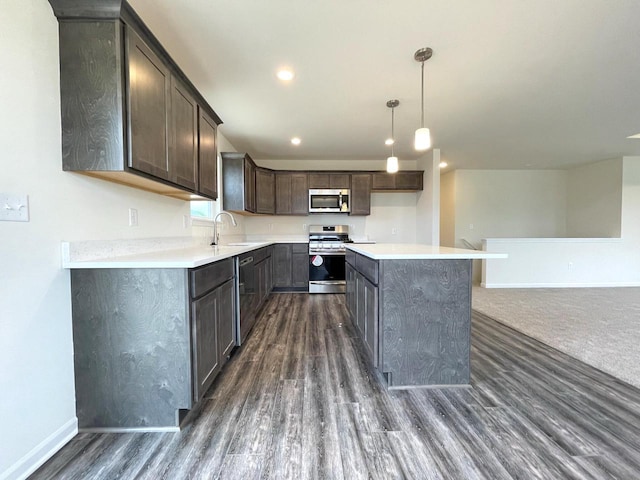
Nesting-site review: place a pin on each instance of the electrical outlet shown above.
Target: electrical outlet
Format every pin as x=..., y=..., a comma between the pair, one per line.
x=304, y=227
x=471, y=226
x=186, y=221
x=570, y=266
x=133, y=217
x=271, y=227
x=394, y=231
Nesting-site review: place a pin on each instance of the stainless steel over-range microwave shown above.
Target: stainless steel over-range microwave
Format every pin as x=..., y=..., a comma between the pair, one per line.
x=329, y=200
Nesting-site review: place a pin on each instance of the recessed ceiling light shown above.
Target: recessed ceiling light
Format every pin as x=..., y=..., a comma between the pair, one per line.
x=389, y=141
x=285, y=75
x=637, y=135
x=296, y=141
x=443, y=164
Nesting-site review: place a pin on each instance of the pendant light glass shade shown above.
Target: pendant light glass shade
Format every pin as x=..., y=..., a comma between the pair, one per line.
x=392, y=164
x=392, y=161
x=422, y=139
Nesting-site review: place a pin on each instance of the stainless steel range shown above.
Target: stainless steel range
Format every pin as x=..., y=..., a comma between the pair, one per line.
x=326, y=258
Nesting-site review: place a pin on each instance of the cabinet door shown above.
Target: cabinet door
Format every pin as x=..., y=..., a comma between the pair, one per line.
x=339, y=180
x=265, y=191
x=371, y=320
x=282, y=265
x=360, y=304
x=249, y=186
x=207, y=157
x=226, y=319
x=292, y=193
x=383, y=181
x=283, y=193
x=350, y=291
x=269, y=274
x=300, y=270
x=360, y=194
x=149, y=109
x=318, y=180
x=299, y=194
x=409, y=180
x=205, y=340
x=329, y=180
x=261, y=283
x=183, y=152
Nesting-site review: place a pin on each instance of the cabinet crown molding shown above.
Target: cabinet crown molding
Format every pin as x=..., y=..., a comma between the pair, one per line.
x=101, y=9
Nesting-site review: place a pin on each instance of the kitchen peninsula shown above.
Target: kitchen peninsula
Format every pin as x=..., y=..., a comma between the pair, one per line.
x=155, y=321
x=411, y=306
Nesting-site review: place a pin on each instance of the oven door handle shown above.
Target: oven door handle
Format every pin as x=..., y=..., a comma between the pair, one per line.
x=327, y=282
x=334, y=254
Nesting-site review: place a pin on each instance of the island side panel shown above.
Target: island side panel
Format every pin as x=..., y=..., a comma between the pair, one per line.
x=425, y=317
x=131, y=343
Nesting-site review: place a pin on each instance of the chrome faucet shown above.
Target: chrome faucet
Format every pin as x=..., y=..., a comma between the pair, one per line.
x=216, y=234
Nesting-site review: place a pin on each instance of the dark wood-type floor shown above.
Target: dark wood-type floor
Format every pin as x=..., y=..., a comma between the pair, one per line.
x=299, y=402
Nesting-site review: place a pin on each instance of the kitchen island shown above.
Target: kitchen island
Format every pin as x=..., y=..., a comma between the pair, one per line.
x=411, y=305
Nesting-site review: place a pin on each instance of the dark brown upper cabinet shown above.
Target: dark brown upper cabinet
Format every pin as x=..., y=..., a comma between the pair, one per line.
x=207, y=156
x=329, y=180
x=183, y=156
x=360, y=194
x=129, y=114
x=404, y=181
x=249, y=189
x=238, y=182
x=292, y=193
x=265, y=191
x=149, y=102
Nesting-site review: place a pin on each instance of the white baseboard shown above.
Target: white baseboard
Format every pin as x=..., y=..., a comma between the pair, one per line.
x=41, y=452
x=560, y=285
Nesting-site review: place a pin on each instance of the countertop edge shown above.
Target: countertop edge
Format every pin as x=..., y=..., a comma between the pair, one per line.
x=460, y=254
x=177, y=258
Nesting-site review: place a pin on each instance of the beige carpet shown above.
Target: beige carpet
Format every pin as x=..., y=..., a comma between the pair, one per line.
x=600, y=326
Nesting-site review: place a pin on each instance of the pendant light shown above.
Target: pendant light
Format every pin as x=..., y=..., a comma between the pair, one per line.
x=423, y=136
x=392, y=161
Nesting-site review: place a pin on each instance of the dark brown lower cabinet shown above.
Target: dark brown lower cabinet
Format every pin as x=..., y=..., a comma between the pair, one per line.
x=291, y=267
x=413, y=317
x=362, y=302
x=148, y=342
x=264, y=274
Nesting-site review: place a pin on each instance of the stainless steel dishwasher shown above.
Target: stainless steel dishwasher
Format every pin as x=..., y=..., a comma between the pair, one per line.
x=246, y=296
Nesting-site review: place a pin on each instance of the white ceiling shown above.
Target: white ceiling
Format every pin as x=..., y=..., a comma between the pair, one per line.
x=511, y=84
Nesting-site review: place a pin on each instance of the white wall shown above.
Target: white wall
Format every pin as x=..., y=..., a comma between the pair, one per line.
x=561, y=262
x=509, y=203
x=579, y=262
x=36, y=362
x=428, y=202
x=631, y=200
x=448, y=209
x=504, y=203
x=594, y=200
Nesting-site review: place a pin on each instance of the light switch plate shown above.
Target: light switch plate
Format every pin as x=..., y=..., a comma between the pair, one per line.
x=14, y=207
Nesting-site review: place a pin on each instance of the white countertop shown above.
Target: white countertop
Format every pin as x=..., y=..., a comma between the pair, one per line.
x=412, y=251
x=191, y=257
